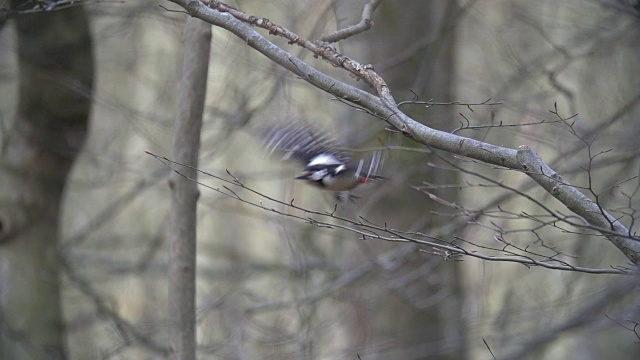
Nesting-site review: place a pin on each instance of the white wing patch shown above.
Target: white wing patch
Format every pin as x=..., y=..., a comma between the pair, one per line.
x=324, y=159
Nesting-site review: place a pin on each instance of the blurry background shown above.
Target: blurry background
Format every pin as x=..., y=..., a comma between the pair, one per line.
x=275, y=287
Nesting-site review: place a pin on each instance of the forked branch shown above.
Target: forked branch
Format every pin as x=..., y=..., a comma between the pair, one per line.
x=383, y=105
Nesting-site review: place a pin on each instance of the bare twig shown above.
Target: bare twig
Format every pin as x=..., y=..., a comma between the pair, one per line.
x=489, y=348
x=383, y=105
x=370, y=231
x=51, y=5
x=365, y=24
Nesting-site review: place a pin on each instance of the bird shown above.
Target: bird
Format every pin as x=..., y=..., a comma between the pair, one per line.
x=326, y=165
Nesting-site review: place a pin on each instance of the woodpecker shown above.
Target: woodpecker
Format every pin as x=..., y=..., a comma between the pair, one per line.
x=326, y=166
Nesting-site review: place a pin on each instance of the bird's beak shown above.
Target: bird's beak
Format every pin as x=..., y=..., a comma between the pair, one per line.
x=304, y=176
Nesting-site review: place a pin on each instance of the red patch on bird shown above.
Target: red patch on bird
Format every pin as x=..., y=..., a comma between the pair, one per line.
x=363, y=180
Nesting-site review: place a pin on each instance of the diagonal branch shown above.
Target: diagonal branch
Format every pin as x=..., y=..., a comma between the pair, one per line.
x=383, y=105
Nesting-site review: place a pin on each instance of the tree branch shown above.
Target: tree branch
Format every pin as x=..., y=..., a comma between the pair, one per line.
x=365, y=24
x=383, y=105
x=370, y=231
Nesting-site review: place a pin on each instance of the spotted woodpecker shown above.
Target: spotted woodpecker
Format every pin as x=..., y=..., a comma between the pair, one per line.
x=326, y=166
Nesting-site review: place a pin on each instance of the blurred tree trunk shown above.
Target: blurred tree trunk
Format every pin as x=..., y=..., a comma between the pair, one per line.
x=184, y=191
x=438, y=330
x=55, y=80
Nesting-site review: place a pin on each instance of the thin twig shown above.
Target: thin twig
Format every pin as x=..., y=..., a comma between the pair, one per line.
x=365, y=24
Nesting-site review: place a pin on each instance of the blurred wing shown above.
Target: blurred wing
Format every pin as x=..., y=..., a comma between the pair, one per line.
x=301, y=142
x=368, y=168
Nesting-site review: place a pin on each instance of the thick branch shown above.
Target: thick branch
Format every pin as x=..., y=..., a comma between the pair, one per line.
x=578, y=203
x=383, y=105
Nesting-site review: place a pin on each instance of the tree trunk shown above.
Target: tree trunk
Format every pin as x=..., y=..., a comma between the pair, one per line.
x=55, y=80
x=184, y=195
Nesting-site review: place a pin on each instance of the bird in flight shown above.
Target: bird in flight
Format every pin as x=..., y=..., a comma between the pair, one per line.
x=326, y=166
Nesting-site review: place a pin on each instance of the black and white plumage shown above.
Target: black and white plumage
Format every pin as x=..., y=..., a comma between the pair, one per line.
x=326, y=166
